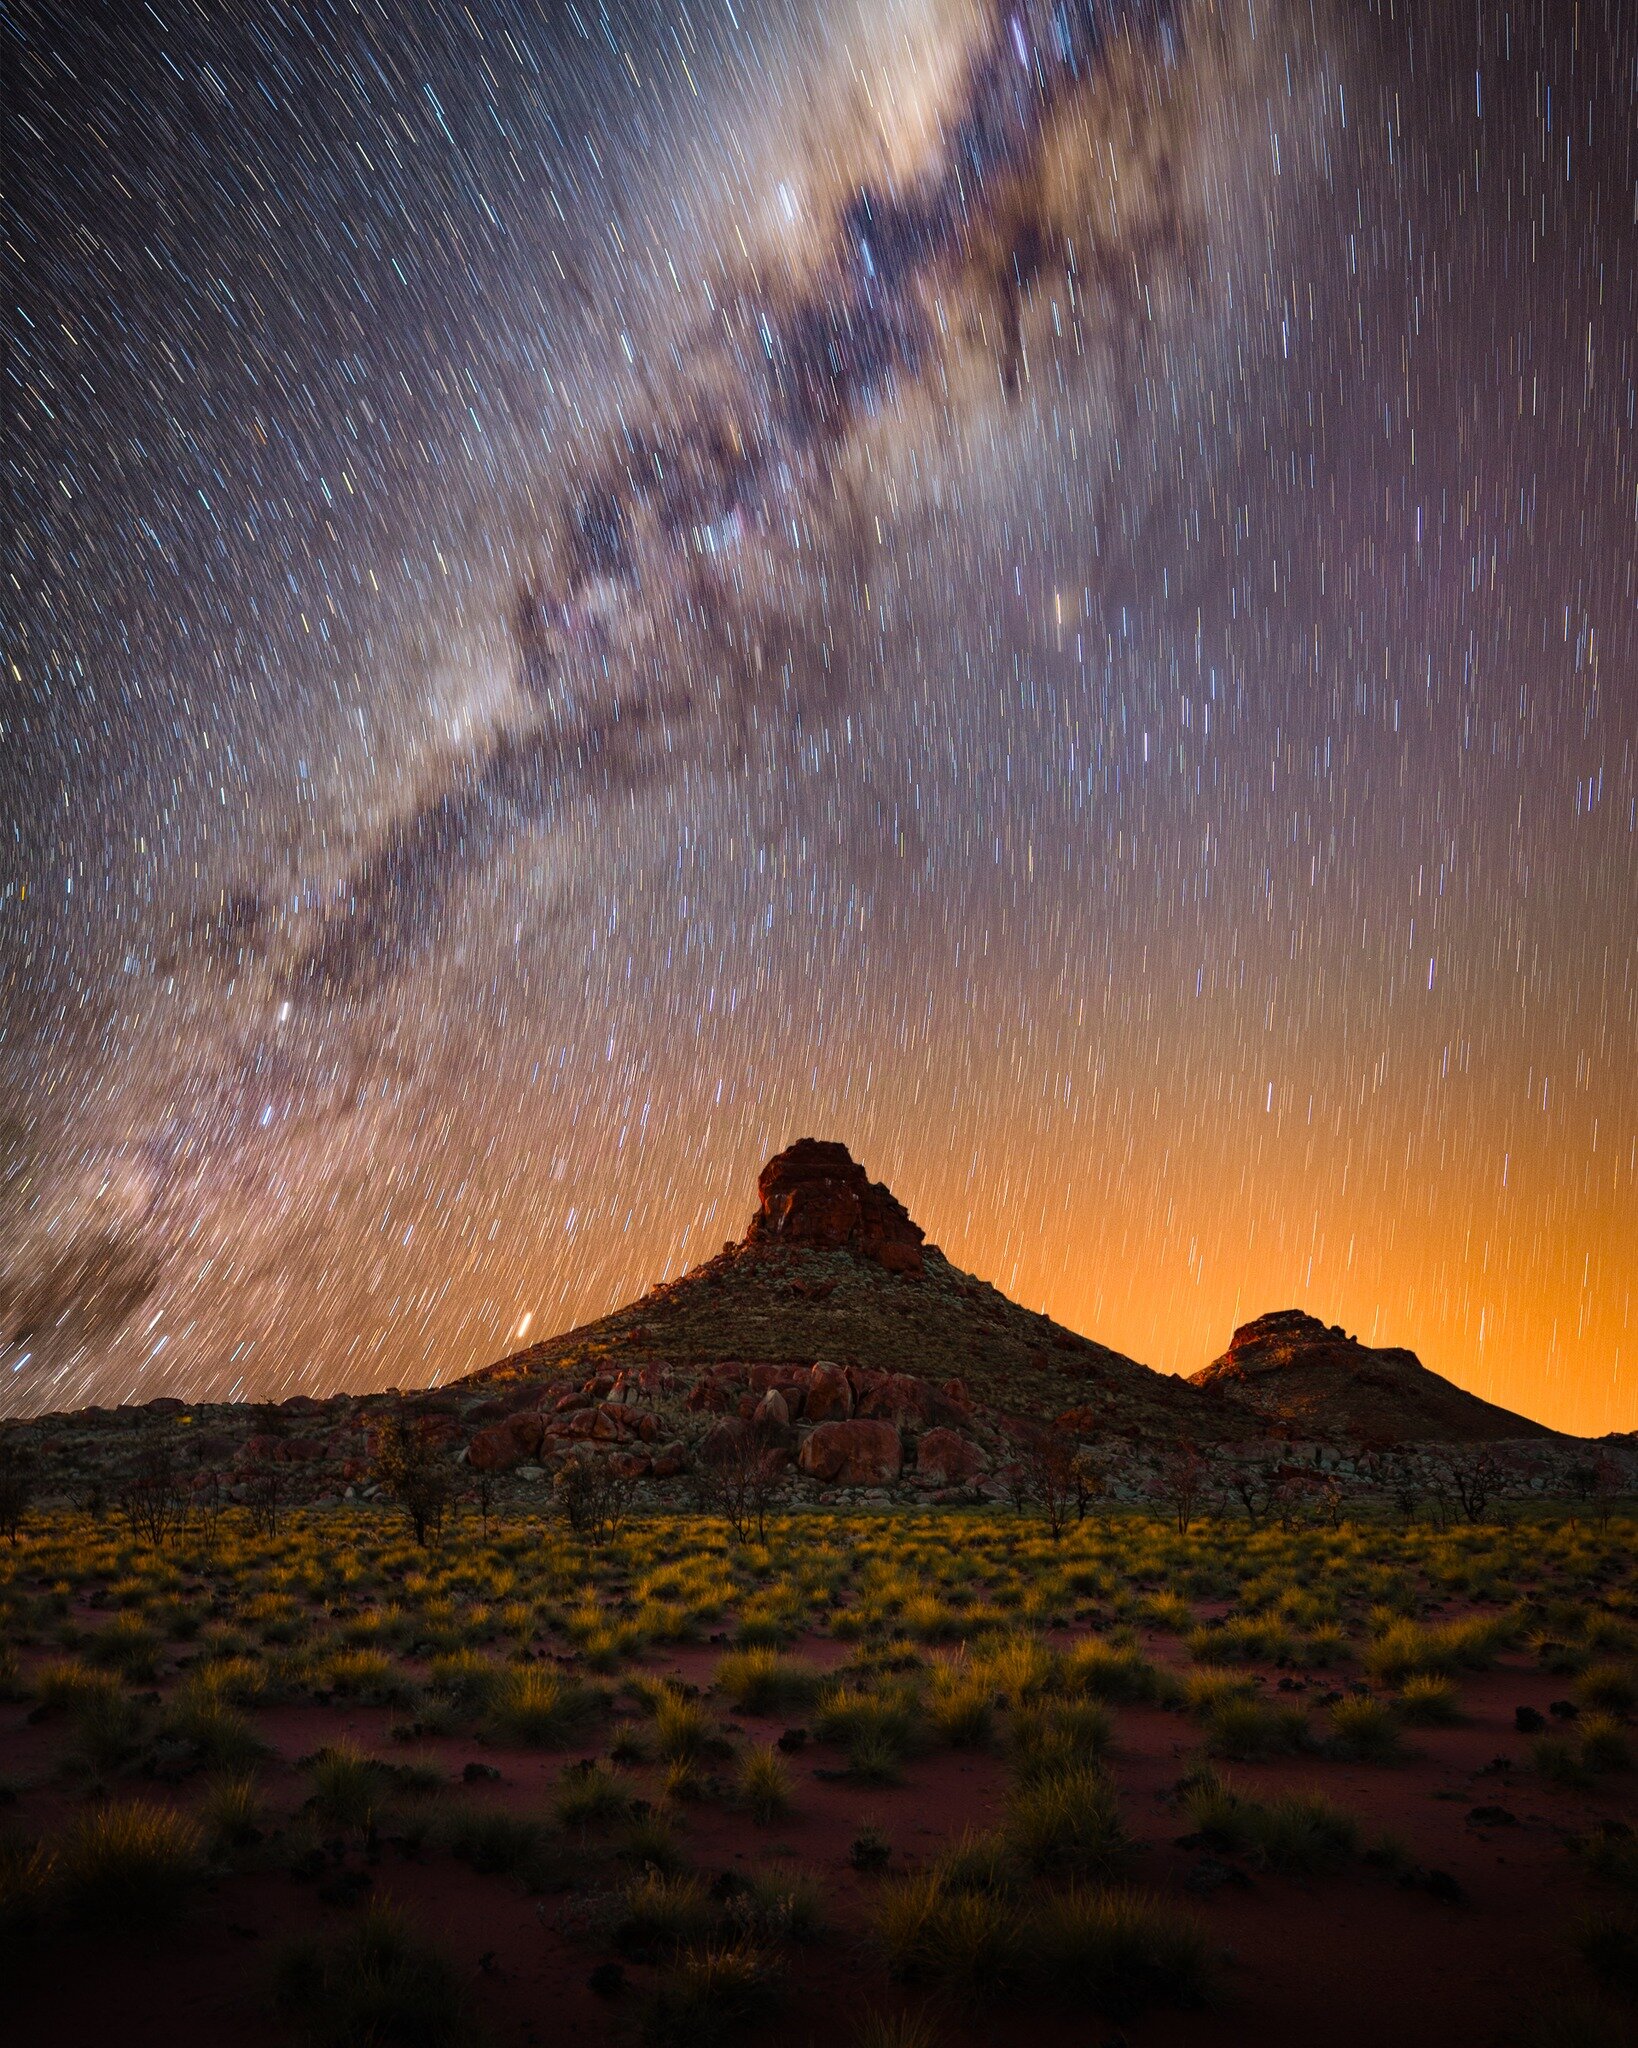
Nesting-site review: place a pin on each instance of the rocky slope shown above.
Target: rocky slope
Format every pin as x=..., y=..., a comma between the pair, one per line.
x=1317, y=1382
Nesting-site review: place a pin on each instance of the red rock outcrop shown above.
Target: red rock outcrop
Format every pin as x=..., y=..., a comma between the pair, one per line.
x=816, y=1194
x=853, y=1453
x=947, y=1459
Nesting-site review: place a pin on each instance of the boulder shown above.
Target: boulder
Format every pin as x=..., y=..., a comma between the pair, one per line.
x=723, y=1439
x=947, y=1459
x=509, y=1443
x=773, y=1410
x=859, y=1453
x=829, y=1396
x=668, y=1461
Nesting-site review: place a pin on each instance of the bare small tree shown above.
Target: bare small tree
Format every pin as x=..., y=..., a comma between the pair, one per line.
x=152, y=1498
x=1472, y=1477
x=264, y=1494
x=738, y=1475
x=1048, y=1477
x=1094, y=1479
x=412, y=1469
x=482, y=1494
x=1595, y=1484
x=19, y=1476
x=595, y=1495
x=1183, y=1483
x=1254, y=1483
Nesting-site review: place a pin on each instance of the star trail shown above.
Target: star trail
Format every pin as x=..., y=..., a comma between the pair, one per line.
x=1048, y=590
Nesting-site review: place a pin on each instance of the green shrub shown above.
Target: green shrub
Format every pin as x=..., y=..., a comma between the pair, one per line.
x=978, y=1863
x=1611, y=1858
x=961, y=1710
x=467, y=1679
x=108, y=1727
x=888, y=1719
x=223, y=1738
x=1302, y=1833
x=378, y=1985
x=1111, y=1673
x=126, y=1644
x=1605, y=1744
x=779, y=1904
x=650, y=1841
x=496, y=1842
x=960, y=1940
x=895, y=2030
x=26, y=1873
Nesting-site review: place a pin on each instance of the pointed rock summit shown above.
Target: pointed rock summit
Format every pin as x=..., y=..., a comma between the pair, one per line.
x=816, y=1194
x=1317, y=1381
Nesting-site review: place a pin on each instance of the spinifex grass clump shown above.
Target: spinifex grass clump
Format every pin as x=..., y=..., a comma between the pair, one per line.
x=589, y=1796
x=1429, y=1701
x=761, y=1681
x=1299, y=1832
x=765, y=1785
x=1112, y=1950
x=1046, y=1740
x=233, y=1813
x=1117, y=1951
x=711, y=1993
x=1252, y=1729
x=660, y=1911
x=377, y=1985
x=349, y=1787
x=127, y=1866
x=1067, y=1824
x=539, y=1709
x=1365, y=1728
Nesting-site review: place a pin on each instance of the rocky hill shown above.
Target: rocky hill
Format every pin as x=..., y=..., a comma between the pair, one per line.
x=831, y=1337
x=832, y=1268
x=1317, y=1382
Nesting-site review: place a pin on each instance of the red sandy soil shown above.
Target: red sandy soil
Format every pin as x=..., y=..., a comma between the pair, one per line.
x=1351, y=1961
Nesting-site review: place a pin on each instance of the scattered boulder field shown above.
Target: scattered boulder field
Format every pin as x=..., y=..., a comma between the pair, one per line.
x=864, y=1366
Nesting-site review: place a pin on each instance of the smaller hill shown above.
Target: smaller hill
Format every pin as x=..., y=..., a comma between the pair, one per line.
x=1317, y=1381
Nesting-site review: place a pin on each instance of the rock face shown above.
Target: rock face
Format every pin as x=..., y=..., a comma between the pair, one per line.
x=853, y=1453
x=815, y=1193
x=1316, y=1381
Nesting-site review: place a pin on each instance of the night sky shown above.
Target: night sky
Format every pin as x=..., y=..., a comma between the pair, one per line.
x=1048, y=591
